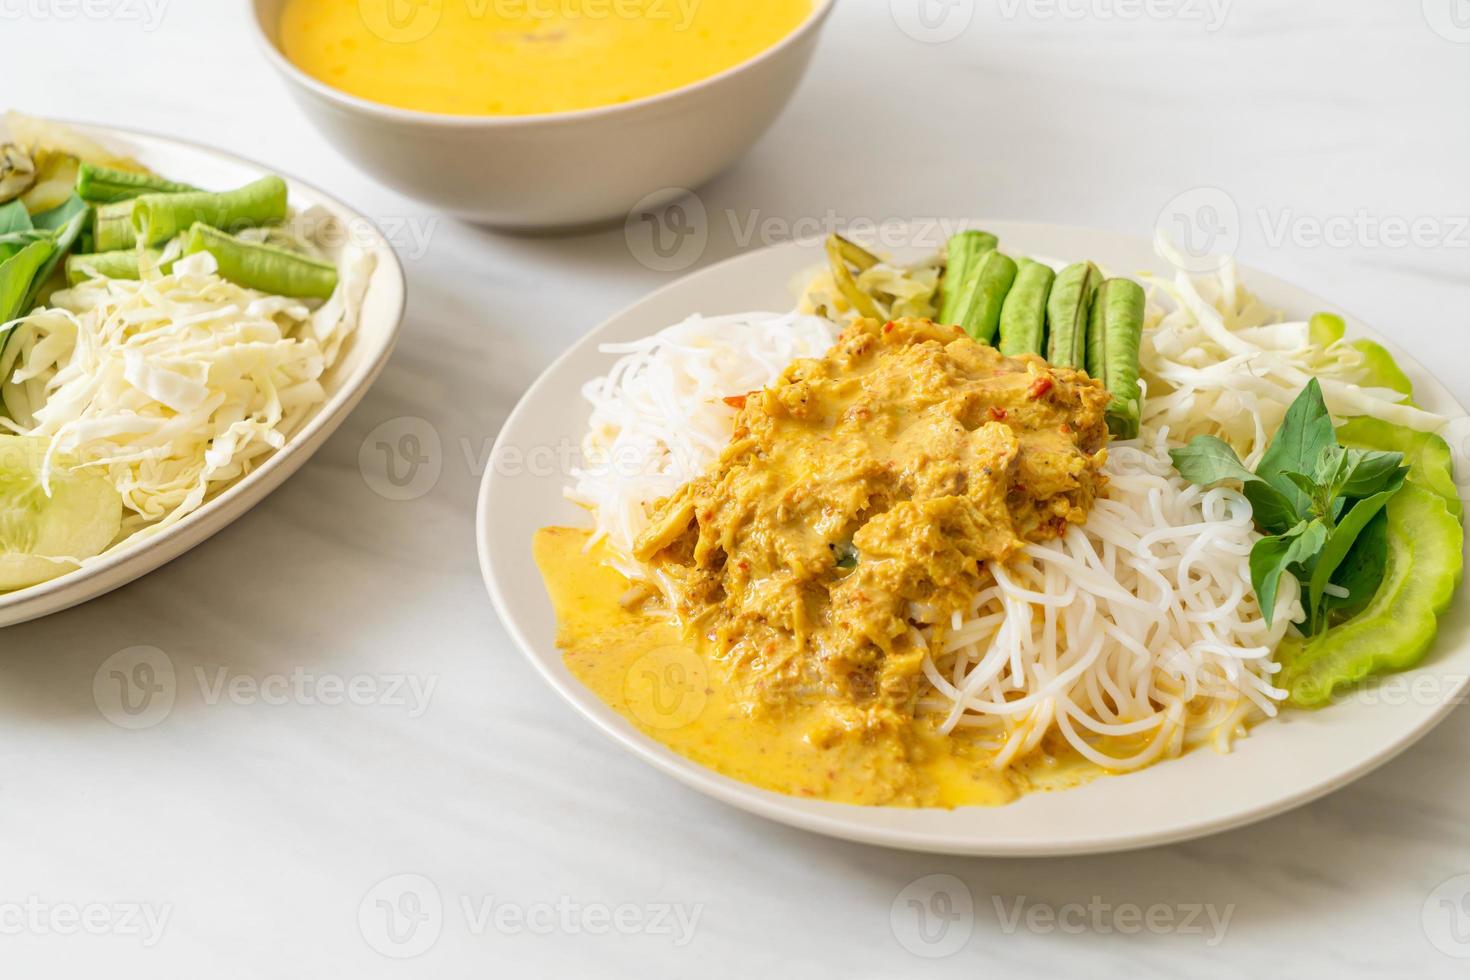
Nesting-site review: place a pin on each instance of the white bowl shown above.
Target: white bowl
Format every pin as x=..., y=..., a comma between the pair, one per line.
x=1285, y=762
x=557, y=170
x=362, y=358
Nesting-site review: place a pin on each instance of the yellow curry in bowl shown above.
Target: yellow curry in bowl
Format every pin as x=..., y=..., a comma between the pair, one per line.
x=782, y=662
x=526, y=57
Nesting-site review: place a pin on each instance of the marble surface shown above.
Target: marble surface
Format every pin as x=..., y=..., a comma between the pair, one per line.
x=353, y=738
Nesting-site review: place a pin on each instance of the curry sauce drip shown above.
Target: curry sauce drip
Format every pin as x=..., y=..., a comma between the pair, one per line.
x=859, y=498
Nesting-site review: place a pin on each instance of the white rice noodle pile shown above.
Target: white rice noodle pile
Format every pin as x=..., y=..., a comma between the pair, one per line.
x=1218, y=361
x=659, y=417
x=1134, y=637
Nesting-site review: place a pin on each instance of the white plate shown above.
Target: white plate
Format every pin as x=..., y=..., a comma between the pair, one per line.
x=1286, y=762
x=362, y=358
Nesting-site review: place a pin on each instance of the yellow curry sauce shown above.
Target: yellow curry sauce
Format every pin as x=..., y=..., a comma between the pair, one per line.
x=517, y=57
x=858, y=500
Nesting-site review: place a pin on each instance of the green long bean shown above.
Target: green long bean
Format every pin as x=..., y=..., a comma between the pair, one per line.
x=112, y=227
x=1067, y=313
x=978, y=312
x=263, y=267
x=964, y=251
x=104, y=185
x=158, y=217
x=1023, y=318
x=1113, y=339
x=124, y=264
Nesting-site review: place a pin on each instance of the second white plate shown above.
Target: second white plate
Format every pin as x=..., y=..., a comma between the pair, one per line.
x=1285, y=762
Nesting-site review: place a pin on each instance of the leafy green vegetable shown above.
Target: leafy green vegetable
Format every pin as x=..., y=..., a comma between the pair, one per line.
x=1424, y=560
x=1314, y=499
x=17, y=273
x=1429, y=458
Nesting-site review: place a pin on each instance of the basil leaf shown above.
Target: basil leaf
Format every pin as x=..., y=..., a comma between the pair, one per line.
x=1207, y=460
x=1337, y=547
x=1274, y=557
x=1272, y=511
x=1305, y=432
x=1361, y=572
x=1370, y=473
x=1309, y=488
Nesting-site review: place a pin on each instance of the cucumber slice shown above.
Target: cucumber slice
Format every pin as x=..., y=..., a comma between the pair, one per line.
x=1396, y=629
x=44, y=536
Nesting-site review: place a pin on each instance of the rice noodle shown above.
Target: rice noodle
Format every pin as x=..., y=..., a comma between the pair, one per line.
x=1141, y=625
x=659, y=417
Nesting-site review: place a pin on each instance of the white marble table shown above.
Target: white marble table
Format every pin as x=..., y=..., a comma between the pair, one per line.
x=255, y=820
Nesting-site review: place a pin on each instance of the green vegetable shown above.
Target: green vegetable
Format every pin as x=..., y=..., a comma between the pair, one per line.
x=1067, y=313
x=109, y=265
x=838, y=250
x=17, y=274
x=104, y=185
x=43, y=534
x=112, y=227
x=1114, y=333
x=73, y=216
x=14, y=217
x=1431, y=464
x=1023, y=317
x=1379, y=369
x=1315, y=500
x=964, y=251
x=982, y=297
x=156, y=218
x=263, y=267
x=1394, y=630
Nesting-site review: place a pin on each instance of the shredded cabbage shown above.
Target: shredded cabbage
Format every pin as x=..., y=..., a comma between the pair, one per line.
x=176, y=385
x=1220, y=362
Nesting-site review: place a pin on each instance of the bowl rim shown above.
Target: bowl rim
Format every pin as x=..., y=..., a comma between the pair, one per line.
x=821, y=9
x=327, y=416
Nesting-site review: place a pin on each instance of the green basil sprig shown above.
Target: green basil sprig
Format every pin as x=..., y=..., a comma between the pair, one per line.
x=1320, y=505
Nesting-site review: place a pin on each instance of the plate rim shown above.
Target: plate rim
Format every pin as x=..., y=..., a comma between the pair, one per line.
x=827, y=820
x=150, y=553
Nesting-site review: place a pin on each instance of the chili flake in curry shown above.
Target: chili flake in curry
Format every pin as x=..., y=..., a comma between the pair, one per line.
x=860, y=496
